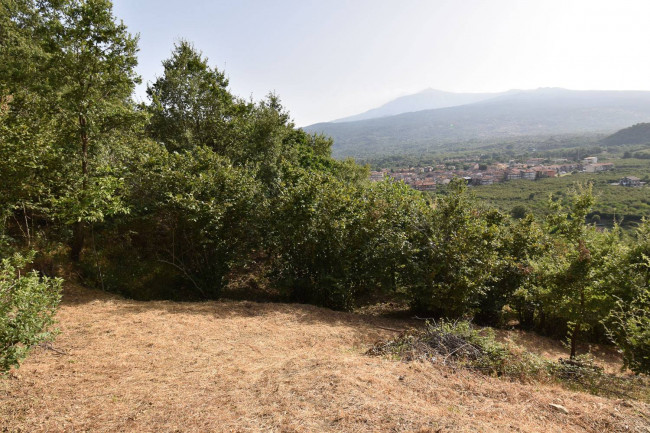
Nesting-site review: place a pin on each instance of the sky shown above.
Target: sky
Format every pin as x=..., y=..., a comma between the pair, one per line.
x=328, y=59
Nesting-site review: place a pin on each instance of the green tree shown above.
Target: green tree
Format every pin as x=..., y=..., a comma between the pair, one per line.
x=28, y=163
x=519, y=211
x=574, y=280
x=629, y=329
x=190, y=104
x=628, y=325
x=91, y=73
x=457, y=256
x=520, y=241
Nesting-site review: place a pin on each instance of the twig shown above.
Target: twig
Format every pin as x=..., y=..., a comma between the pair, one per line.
x=180, y=268
x=48, y=346
x=390, y=329
x=454, y=351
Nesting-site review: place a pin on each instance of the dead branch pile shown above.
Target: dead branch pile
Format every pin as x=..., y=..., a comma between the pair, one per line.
x=436, y=342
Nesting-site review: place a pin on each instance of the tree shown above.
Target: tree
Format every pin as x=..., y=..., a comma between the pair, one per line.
x=628, y=324
x=575, y=279
x=190, y=103
x=457, y=256
x=91, y=71
x=629, y=329
x=28, y=161
x=519, y=211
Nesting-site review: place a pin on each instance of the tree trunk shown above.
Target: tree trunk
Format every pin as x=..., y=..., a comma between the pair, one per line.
x=78, y=230
x=77, y=241
x=574, y=340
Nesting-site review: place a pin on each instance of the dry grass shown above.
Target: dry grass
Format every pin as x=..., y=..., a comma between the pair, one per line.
x=607, y=356
x=242, y=366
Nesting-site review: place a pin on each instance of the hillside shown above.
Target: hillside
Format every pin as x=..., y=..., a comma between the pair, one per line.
x=637, y=134
x=538, y=112
x=121, y=365
x=427, y=99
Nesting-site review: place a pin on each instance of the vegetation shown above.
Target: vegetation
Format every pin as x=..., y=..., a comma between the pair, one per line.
x=178, y=197
x=636, y=134
x=27, y=307
x=615, y=203
x=460, y=344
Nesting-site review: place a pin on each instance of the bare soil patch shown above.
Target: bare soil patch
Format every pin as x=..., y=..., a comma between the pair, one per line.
x=237, y=366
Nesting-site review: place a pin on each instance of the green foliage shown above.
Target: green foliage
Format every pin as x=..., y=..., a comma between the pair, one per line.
x=338, y=240
x=455, y=262
x=194, y=216
x=519, y=211
x=575, y=281
x=520, y=242
x=27, y=307
x=68, y=110
x=629, y=321
x=630, y=331
x=190, y=103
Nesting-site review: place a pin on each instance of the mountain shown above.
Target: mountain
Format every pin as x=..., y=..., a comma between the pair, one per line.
x=637, y=134
x=428, y=99
x=547, y=111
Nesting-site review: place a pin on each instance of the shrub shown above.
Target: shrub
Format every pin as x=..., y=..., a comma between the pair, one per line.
x=629, y=327
x=457, y=255
x=336, y=242
x=27, y=307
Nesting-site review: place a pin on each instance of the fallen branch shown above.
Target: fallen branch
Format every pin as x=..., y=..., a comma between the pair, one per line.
x=48, y=346
x=390, y=329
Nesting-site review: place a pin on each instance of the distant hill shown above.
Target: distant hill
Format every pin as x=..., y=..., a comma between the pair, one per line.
x=513, y=114
x=637, y=134
x=428, y=99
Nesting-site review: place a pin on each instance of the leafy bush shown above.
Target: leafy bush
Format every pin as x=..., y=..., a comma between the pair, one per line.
x=629, y=322
x=457, y=255
x=27, y=307
x=631, y=333
x=336, y=241
x=194, y=216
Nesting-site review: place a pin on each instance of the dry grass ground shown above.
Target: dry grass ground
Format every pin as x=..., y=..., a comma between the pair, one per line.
x=241, y=366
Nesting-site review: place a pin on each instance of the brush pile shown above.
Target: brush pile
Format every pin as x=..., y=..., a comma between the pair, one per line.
x=447, y=342
x=459, y=344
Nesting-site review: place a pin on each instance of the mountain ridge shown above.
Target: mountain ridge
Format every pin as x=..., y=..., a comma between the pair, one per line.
x=545, y=111
x=426, y=99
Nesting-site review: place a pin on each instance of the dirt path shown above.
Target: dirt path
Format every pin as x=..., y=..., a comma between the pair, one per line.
x=241, y=366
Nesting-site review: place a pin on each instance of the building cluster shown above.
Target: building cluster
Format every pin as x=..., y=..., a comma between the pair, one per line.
x=426, y=178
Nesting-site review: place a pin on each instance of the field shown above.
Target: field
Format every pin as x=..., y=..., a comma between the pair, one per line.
x=238, y=366
x=628, y=204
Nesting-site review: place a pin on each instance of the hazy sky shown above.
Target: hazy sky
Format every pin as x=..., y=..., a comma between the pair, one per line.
x=333, y=58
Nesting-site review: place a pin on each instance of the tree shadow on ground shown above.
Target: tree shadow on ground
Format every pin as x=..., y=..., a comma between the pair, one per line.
x=76, y=295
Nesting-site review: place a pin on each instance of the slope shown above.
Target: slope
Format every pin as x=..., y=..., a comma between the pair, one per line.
x=427, y=99
x=123, y=365
x=636, y=134
x=529, y=113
